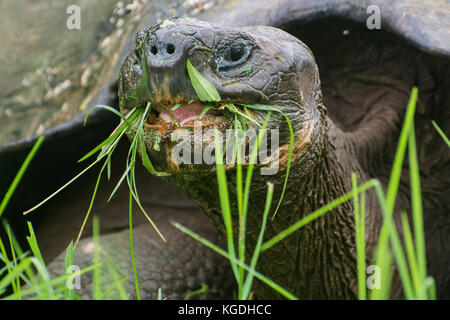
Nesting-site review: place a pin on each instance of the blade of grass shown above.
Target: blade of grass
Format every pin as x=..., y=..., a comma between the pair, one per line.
x=265, y=107
x=314, y=215
x=53, y=282
x=225, y=202
x=117, y=113
x=442, y=134
x=233, y=259
x=15, y=284
x=19, y=175
x=117, y=281
x=204, y=111
x=175, y=107
x=205, y=90
x=416, y=205
x=391, y=193
x=62, y=188
x=288, y=165
x=96, y=277
x=117, y=133
x=396, y=246
x=233, y=109
x=133, y=262
x=359, y=236
x=412, y=260
x=245, y=200
x=69, y=293
x=249, y=280
x=117, y=284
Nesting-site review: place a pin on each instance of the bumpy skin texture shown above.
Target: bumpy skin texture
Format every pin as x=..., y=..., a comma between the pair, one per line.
x=366, y=85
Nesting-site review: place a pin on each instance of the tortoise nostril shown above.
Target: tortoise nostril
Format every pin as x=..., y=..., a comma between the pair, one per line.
x=170, y=48
x=154, y=50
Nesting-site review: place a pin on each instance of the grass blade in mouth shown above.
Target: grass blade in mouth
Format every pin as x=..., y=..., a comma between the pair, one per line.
x=175, y=107
x=204, y=111
x=233, y=109
x=205, y=90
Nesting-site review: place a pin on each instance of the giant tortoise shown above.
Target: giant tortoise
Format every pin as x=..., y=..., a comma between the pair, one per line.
x=344, y=84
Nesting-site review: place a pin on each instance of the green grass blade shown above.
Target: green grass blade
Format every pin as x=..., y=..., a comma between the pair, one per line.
x=314, y=215
x=133, y=261
x=204, y=289
x=416, y=205
x=117, y=113
x=32, y=241
x=62, y=188
x=19, y=175
x=412, y=260
x=246, y=198
x=117, y=284
x=105, y=143
x=239, y=195
x=116, y=278
x=441, y=133
x=69, y=293
x=233, y=259
x=233, y=109
x=204, y=111
x=15, y=284
x=96, y=278
x=14, y=274
x=262, y=107
x=360, y=246
x=397, y=248
x=91, y=204
x=393, y=185
x=44, y=276
x=119, y=183
x=175, y=107
x=225, y=203
x=117, y=134
x=38, y=287
x=249, y=280
x=205, y=90
x=288, y=165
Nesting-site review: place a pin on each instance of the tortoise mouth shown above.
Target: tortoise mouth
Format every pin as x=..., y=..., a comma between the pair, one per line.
x=179, y=134
x=185, y=114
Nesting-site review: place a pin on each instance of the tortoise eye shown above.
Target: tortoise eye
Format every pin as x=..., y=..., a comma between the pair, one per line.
x=233, y=56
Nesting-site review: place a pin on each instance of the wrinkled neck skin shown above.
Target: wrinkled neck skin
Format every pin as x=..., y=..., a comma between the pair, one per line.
x=319, y=260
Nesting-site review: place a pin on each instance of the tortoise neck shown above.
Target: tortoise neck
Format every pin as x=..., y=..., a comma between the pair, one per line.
x=327, y=241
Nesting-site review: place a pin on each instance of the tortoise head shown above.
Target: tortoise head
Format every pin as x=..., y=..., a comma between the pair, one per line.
x=247, y=66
